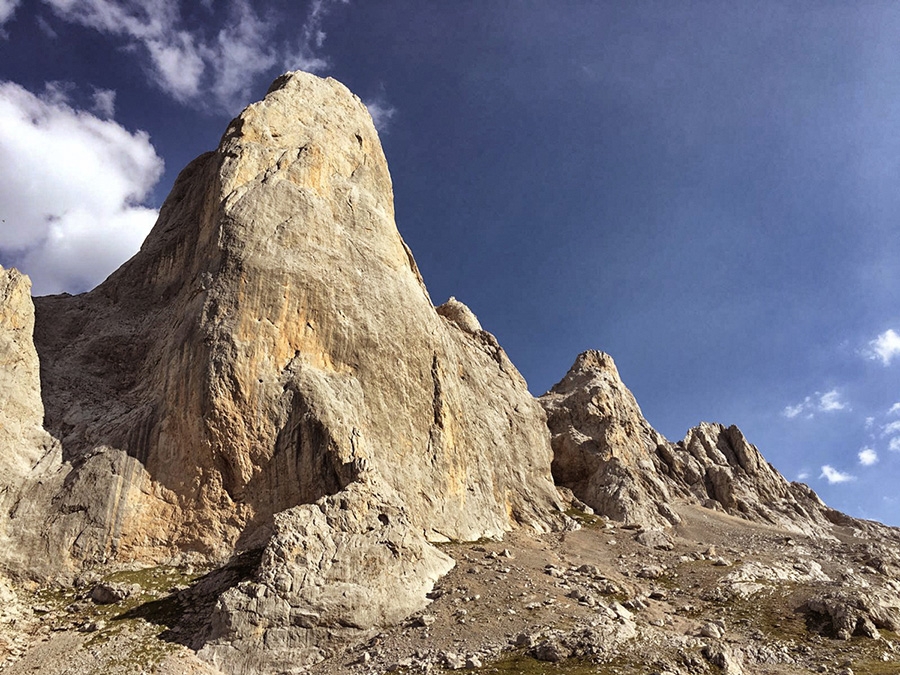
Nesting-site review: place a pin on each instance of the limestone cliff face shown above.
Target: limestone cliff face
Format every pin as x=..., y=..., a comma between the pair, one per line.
x=614, y=461
x=24, y=445
x=270, y=344
x=21, y=424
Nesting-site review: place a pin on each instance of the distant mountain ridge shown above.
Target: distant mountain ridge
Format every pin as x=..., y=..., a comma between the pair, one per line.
x=615, y=462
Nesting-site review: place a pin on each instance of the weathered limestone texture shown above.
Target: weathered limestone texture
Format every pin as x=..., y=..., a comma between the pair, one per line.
x=615, y=462
x=24, y=445
x=337, y=570
x=23, y=440
x=604, y=449
x=271, y=342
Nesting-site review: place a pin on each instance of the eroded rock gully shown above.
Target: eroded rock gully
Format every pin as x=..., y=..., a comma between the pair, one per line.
x=265, y=435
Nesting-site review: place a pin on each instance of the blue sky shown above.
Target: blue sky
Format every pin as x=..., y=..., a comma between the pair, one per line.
x=707, y=191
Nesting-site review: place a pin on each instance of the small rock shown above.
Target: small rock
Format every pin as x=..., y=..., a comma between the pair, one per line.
x=93, y=626
x=526, y=640
x=106, y=593
x=550, y=651
x=453, y=661
x=656, y=539
x=424, y=620
x=650, y=572
x=711, y=630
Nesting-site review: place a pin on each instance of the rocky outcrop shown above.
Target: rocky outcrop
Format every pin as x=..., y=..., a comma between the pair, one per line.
x=26, y=449
x=843, y=614
x=23, y=441
x=615, y=462
x=603, y=448
x=271, y=341
x=271, y=348
x=336, y=570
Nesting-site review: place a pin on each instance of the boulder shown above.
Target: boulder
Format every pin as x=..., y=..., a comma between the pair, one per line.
x=340, y=569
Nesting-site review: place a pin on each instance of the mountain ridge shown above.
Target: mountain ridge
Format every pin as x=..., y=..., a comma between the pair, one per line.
x=266, y=392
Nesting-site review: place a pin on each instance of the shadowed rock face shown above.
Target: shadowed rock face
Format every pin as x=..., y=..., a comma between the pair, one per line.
x=615, y=462
x=272, y=342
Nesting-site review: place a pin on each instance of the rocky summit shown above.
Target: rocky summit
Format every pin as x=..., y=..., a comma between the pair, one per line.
x=259, y=447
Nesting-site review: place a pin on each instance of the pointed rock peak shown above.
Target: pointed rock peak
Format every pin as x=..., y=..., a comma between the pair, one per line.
x=615, y=462
x=591, y=365
x=273, y=339
x=593, y=360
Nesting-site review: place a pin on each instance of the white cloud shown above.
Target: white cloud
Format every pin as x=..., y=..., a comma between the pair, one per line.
x=105, y=103
x=45, y=27
x=241, y=52
x=381, y=113
x=885, y=347
x=7, y=9
x=196, y=67
x=833, y=476
x=178, y=66
x=792, y=411
x=306, y=54
x=830, y=401
x=894, y=409
x=867, y=456
x=891, y=428
x=72, y=188
x=803, y=475
x=894, y=445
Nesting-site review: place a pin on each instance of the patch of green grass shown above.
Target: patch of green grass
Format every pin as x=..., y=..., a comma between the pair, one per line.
x=584, y=519
x=870, y=667
x=522, y=664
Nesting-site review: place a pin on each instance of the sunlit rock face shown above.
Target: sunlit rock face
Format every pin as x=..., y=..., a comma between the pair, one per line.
x=271, y=343
x=614, y=461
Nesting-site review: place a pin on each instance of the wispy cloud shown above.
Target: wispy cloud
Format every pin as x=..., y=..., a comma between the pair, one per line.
x=834, y=476
x=894, y=409
x=104, y=103
x=830, y=401
x=891, y=428
x=885, y=347
x=195, y=67
x=803, y=475
x=307, y=54
x=382, y=113
x=894, y=445
x=72, y=188
x=7, y=9
x=867, y=457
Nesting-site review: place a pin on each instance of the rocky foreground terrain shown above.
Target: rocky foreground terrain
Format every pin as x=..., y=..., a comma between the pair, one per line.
x=259, y=447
